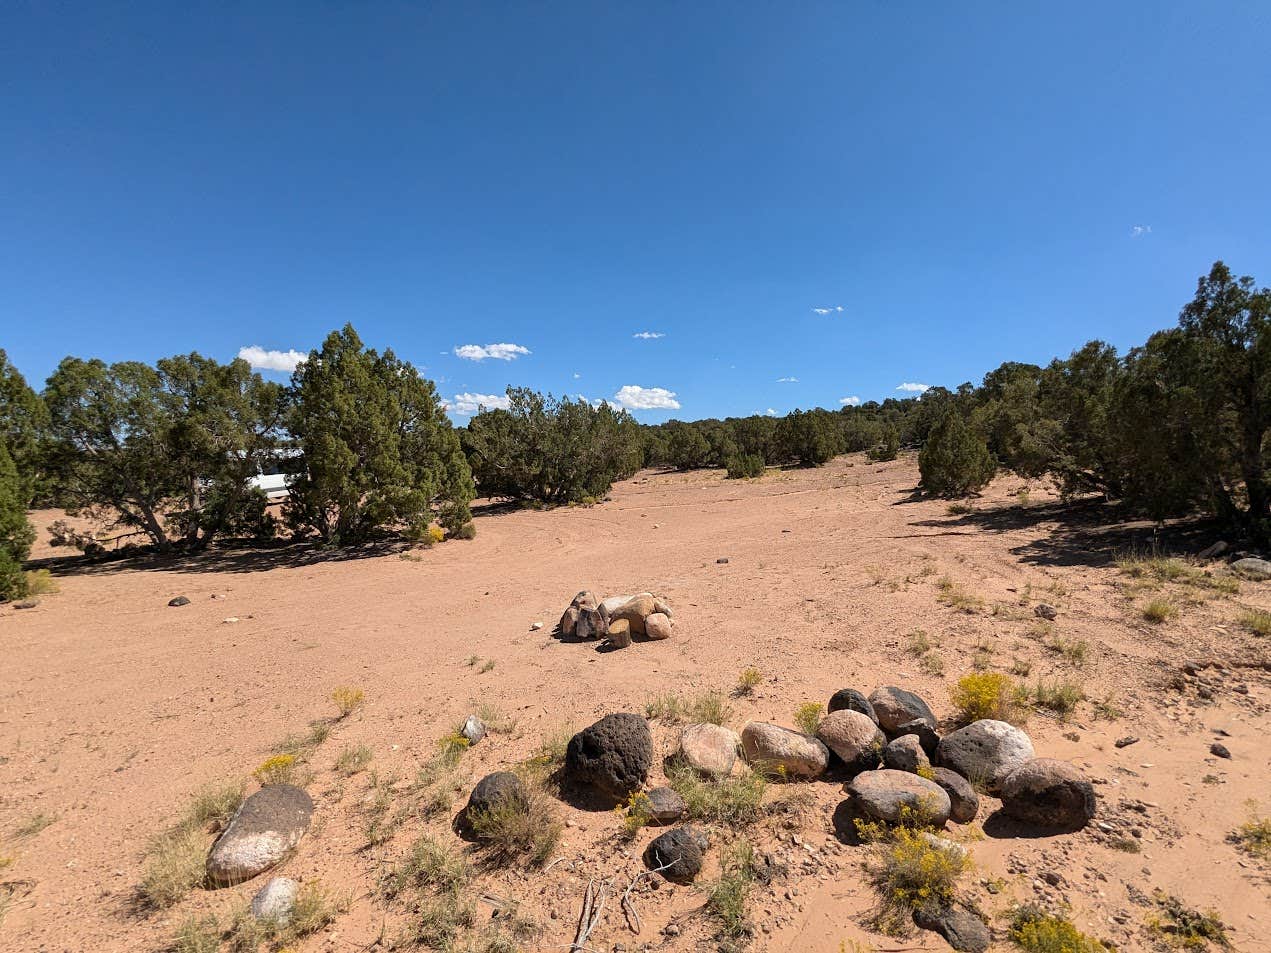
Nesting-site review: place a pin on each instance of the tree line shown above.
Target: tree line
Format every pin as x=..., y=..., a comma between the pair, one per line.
x=1176, y=425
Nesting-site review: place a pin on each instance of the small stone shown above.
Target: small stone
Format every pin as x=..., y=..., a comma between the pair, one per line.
x=962, y=929
x=722, y=561
x=473, y=729
x=1126, y=741
x=612, y=757
x=1219, y=750
x=677, y=854
x=491, y=791
x=964, y=802
x=665, y=805
x=1044, y=611
x=26, y=604
x=276, y=900
x=535, y=626
x=183, y=601
x=657, y=626
x=229, y=620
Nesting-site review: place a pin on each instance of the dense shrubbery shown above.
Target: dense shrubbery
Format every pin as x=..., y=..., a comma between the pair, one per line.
x=744, y=466
x=549, y=450
x=377, y=446
x=955, y=459
x=16, y=534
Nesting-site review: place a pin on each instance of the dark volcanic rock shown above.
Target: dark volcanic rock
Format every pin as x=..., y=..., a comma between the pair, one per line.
x=612, y=757
x=849, y=699
x=679, y=851
x=1048, y=793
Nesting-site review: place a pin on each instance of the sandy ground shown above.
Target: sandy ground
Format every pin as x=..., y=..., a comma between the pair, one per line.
x=114, y=708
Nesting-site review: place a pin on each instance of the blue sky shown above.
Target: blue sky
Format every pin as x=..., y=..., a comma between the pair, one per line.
x=969, y=183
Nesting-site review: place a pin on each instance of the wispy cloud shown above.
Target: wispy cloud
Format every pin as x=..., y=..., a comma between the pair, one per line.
x=834, y=310
x=1138, y=231
x=636, y=397
x=787, y=380
x=913, y=388
x=649, y=335
x=770, y=412
x=577, y=375
x=263, y=360
x=850, y=401
x=465, y=405
x=499, y=352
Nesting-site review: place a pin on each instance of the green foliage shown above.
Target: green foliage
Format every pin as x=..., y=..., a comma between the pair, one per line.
x=808, y=438
x=912, y=872
x=523, y=828
x=1254, y=835
x=1036, y=931
x=729, y=802
x=748, y=681
x=23, y=420
x=16, y=534
x=888, y=446
x=379, y=451
x=807, y=717
x=745, y=466
x=728, y=896
x=551, y=451
x=955, y=460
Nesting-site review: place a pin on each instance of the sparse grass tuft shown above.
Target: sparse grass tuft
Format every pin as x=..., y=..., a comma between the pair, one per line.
x=932, y=664
x=1183, y=927
x=1059, y=697
x=919, y=643
x=430, y=864
x=1036, y=931
x=709, y=707
x=487, y=666
x=34, y=824
x=494, y=718
x=1127, y=845
x=1257, y=621
x=1157, y=611
x=550, y=753
x=197, y=934
x=353, y=760
x=748, y=681
x=1254, y=836
x=729, y=802
x=40, y=582
x=452, y=747
x=988, y=695
x=516, y=829
x=956, y=597
x=347, y=700
x=808, y=717
x=304, y=745
x=440, y=921
x=910, y=873
x=174, y=867
x=1074, y=650
x=727, y=900
x=959, y=509
x=314, y=909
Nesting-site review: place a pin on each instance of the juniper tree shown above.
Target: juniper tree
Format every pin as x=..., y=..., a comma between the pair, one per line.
x=955, y=459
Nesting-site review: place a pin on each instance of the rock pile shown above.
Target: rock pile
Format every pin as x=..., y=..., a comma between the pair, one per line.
x=618, y=619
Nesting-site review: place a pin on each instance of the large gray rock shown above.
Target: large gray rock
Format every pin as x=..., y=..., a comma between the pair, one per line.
x=261, y=833
x=276, y=900
x=1253, y=568
x=854, y=737
x=771, y=748
x=884, y=794
x=473, y=729
x=709, y=749
x=665, y=805
x=905, y=754
x=896, y=706
x=964, y=802
x=849, y=699
x=962, y=929
x=568, y=624
x=1048, y=793
x=677, y=854
x=985, y=752
x=611, y=757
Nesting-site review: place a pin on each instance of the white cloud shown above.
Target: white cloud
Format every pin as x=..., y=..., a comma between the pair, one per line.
x=787, y=380
x=500, y=352
x=834, y=310
x=646, y=398
x=465, y=405
x=913, y=388
x=850, y=401
x=770, y=412
x=649, y=335
x=1138, y=231
x=577, y=375
x=263, y=360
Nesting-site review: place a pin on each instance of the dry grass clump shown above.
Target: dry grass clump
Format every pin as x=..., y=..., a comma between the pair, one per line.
x=550, y=754
x=959, y=509
x=747, y=682
x=807, y=717
x=1157, y=611
x=727, y=899
x=1186, y=928
x=40, y=582
x=1074, y=650
x=197, y=934
x=314, y=909
x=519, y=829
x=430, y=864
x=304, y=745
x=956, y=597
x=912, y=872
x=34, y=824
x=707, y=708
x=1257, y=621
x=347, y=700
x=353, y=760
x=1254, y=836
x=989, y=695
x=175, y=859
x=278, y=769
x=1058, y=697
x=495, y=719
x=1036, y=931
x=729, y=802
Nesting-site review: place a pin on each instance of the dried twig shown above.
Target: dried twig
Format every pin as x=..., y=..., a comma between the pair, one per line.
x=628, y=905
x=593, y=907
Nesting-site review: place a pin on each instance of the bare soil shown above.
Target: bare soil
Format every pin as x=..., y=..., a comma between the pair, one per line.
x=115, y=708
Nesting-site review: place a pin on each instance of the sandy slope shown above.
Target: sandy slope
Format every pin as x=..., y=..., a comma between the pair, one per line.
x=114, y=707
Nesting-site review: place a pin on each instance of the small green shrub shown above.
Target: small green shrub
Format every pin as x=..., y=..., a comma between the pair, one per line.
x=466, y=531
x=1257, y=621
x=910, y=873
x=519, y=828
x=954, y=596
x=1036, y=931
x=197, y=934
x=1254, y=836
x=1157, y=611
x=1184, y=927
x=745, y=466
x=174, y=866
x=728, y=896
x=728, y=802
x=748, y=681
x=1059, y=697
x=955, y=460
x=353, y=760
x=40, y=582
x=808, y=717
x=959, y=509
x=278, y=769
x=429, y=863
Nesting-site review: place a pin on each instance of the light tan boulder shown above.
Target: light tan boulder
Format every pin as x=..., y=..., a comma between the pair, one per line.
x=657, y=626
x=772, y=748
x=709, y=749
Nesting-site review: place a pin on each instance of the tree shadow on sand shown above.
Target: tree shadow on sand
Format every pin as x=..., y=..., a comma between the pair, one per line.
x=1081, y=533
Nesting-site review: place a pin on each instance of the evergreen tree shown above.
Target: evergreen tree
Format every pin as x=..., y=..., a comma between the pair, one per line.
x=23, y=419
x=378, y=449
x=16, y=534
x=955, y=460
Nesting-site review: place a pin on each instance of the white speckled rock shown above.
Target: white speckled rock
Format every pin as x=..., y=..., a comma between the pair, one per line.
x=985, y=752
x=773, y=748
x=276, y=900
x=262, y=832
